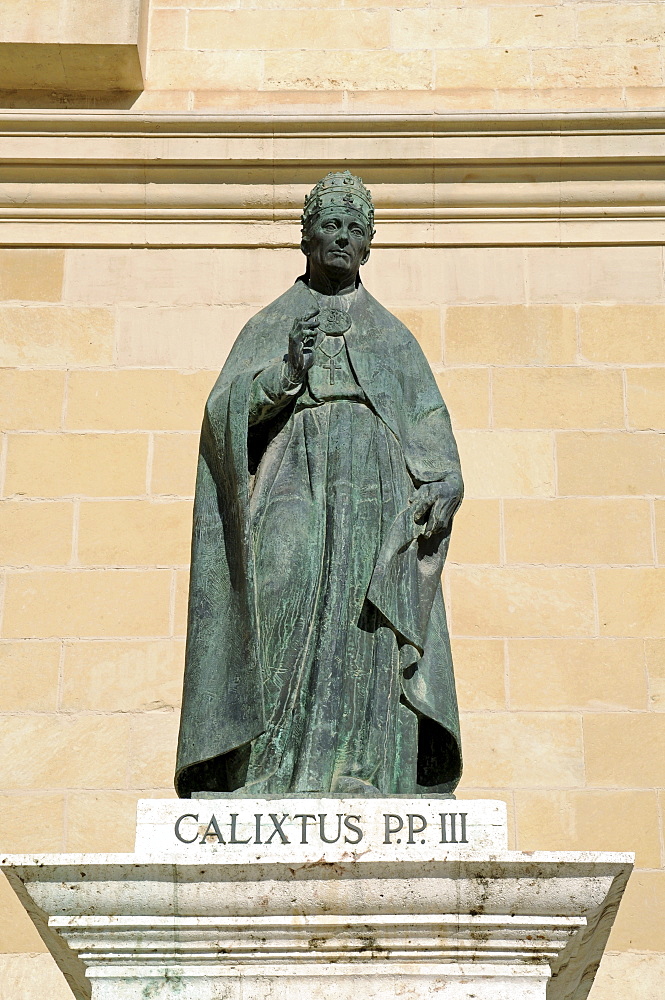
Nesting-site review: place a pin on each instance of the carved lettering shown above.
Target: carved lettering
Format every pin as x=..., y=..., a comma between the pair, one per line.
x=453, y=817
x=234, y=840
x=322, y=828
x=277, y=823
x=304, y=817
x=212, y=830
x=354, y=828
x=195, y=817
x=257, y=820
x=413, y=829
x=391, y=829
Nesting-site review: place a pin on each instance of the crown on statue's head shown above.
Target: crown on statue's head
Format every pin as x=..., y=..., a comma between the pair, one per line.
x=338, y=190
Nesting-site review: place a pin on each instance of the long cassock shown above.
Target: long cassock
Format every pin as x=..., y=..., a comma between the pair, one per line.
x=318, y=657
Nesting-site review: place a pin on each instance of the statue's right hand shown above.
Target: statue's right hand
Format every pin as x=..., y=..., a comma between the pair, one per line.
x=303, y=340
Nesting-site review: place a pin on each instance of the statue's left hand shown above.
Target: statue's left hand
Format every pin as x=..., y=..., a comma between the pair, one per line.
x=434, y=504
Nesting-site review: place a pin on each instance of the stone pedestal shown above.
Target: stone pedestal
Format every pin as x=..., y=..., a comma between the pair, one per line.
x=326, y=899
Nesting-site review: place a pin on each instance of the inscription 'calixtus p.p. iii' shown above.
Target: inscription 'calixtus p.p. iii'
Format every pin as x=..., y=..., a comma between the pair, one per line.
x=328, y=829
x=278, y=829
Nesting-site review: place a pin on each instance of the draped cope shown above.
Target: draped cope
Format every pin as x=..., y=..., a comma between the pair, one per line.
x=318, y=657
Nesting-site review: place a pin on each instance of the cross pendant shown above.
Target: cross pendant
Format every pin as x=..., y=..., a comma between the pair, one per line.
x=332, y=367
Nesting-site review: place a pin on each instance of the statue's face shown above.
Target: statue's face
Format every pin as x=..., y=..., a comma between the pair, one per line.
x=337, y=244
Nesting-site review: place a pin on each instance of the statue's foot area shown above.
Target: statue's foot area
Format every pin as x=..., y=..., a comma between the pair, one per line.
x=346, y=785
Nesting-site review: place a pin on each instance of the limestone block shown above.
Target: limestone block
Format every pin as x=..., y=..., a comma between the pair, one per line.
x=571, y=820
x=153, y=740
x=630, y=601
x=147, y=399
x=605, y=464
x=612, y=274
x=55, y=335
x=134, y=533
x=30, y=676
x=483, y=67
x=479, y=674
x=645, y=389
x=641, y=921
x=521, y=26
x=610, y=740
x=567, y=398
x=84, y=751
x=101, y=818
x=122, y=676
x=168, y=29
x=631, y=975
x=477, y=530
x=605, y=66
x=507, y=463
x=288, y=29
x=31, y=400
x=510, y=334
x=623, y=334
x=152, y=336
x=181, y=602
x=485, y=924
x=17, y=829
x=445, y=28
x=521, y=600
x=311, y=830
x=523, y=749
x=621, y=24
x=569, y=674
x=33, y=976
x=93, y=465
x=92, y=603
x=31, y=275
x=606, y=531
x=186, y=69
x=425, y=325
x=655, y=657
x=466, y=394
x=174, y=465
x=37, y=533
x=73, y=45
x=353, y=70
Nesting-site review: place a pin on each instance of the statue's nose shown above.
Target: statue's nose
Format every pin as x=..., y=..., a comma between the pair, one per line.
x=342, y=239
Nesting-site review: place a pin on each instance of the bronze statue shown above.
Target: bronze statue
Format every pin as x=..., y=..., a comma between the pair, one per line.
x=318, y=658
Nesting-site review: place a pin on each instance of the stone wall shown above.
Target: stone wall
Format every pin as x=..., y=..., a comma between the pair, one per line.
x=357, y=55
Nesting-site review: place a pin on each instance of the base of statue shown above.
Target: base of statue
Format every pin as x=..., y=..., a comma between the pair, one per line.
x=323, y=899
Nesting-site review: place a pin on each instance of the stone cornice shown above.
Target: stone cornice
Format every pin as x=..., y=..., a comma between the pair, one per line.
x=141, y=920
x=119, y=179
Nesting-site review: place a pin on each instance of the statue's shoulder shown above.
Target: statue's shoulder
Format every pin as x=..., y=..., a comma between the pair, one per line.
x=388, y=322
x=259, y=337
x=275, y=311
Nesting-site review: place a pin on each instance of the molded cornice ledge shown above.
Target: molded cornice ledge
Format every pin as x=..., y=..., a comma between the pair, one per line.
x=118, y=179
x=494, y=926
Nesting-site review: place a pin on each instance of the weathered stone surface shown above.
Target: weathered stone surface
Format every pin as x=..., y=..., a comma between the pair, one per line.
x=469, y=924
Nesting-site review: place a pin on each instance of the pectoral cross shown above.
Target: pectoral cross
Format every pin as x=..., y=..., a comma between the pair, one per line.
x=332, y=367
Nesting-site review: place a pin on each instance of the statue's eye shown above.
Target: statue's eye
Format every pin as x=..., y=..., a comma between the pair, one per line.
x=330, y=226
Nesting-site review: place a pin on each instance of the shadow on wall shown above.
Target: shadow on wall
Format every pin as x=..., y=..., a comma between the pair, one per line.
x=103, y=100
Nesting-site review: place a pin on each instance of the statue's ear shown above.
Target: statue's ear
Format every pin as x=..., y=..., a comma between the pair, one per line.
x=366, y=257
x=304, y=246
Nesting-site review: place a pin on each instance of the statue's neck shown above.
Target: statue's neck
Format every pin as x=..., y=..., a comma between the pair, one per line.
x=328, y=286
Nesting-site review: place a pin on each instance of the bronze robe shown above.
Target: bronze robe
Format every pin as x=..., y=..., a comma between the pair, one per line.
x=318, y=656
